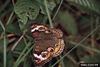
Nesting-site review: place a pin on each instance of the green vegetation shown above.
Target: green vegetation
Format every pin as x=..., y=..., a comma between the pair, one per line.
x=78, y=19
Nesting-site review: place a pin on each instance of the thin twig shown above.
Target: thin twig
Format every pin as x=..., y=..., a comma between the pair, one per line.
x=57, y=10
x=85, y=47
x=4, y=51
x=92, y=36
x=72, y=59
x=23, y=52
x=48, y=14
x=62, y=62
x=5, y=54
x=13, y=2
x=2, y=25
x=11, y=15
x=19, y=60
x=14, y=46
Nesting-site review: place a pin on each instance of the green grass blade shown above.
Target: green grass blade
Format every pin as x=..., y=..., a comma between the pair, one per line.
x=48, y=13
x=4, y=51
x=22, y=53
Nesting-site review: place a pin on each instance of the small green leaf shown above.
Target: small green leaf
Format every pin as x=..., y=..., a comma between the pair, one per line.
x=51, y=6
x=26, y=9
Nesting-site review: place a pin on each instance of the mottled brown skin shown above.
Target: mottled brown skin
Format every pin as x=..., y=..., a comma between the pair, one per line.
x=48, y=40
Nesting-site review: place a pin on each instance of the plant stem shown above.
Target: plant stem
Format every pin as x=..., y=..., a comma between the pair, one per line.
x=14, y=46
x=57, y=10
x=11, y=15
x=23, y=55
x=2, y=25
x=4, y=51
x=73, y=60
x=92, y=36
x=86, y=47
x=48, y=14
